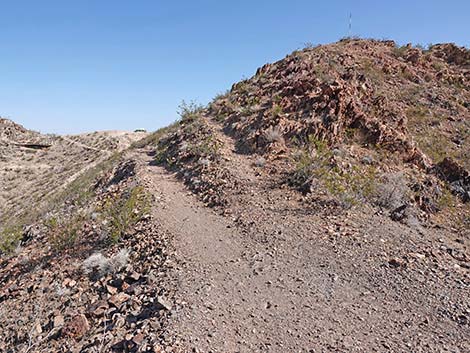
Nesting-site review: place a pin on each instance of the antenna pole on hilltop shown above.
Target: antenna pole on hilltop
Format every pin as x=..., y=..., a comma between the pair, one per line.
x=350, y=23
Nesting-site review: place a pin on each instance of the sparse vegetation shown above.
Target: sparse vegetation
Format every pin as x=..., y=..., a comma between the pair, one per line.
x=64, y=233
x=446, y=200
x=207, y=147
x=322, y=73
x=372, y=71
x=189, y=111
x=433, y=142
x=10, y=238
x=221, y=117
x=153, y=138
x=339, y=111
x=243, y=87
x=101, y=265
x=273, y=134
x=315, y=164
x=277, y=110
x=399, y=51
x=122, y=212
x=392, y=191
x=309, y=45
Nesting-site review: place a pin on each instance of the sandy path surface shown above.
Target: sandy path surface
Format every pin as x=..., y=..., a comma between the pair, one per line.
x=289, y=284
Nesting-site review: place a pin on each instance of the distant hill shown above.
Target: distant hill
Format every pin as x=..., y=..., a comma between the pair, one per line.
x=34, y=167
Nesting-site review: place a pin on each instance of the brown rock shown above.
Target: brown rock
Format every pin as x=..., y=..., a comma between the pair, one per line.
x=118, y=299
x=396, y=262
x=134, y=276
x=58, y=321
x=164, y=303
x=111, y=290
x=76, y=327
x=138, y=339
x=99, y=308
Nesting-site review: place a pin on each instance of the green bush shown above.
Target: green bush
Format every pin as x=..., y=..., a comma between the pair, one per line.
x=277, y=110
x=399, y=52
x=189, y=111
x=123, y=212
x=10, y=237
x=346, y=186
x=63, y=234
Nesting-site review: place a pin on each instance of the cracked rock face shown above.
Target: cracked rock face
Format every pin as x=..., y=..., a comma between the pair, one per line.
x=457, y=176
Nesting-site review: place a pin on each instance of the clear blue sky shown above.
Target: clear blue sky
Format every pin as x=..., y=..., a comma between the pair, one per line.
x=84, y=65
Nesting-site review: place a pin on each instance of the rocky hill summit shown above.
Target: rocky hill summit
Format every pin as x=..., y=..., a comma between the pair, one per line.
x=321, y=205
x=406, y=100
x=350, y=118
x=11, y=132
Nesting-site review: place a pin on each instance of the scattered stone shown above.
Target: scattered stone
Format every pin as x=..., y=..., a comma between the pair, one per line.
x=399, y=214
x=111, y=290
x=118, y=299
x=58, y=321
x=457, y=176
x=99, y=308
x=164, y=303
x=134, y=276
x=396, y=262
x=138, y=339
x=76, y=327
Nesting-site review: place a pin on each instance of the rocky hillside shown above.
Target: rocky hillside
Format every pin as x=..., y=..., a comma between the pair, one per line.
x=321, y=205
x=405, y=100
x=347, y=123
x=35, y=168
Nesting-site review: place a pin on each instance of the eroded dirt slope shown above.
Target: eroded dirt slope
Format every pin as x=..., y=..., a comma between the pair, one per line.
x=35, y=167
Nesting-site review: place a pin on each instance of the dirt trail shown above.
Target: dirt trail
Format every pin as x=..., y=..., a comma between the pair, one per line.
x=233, y=288
x=85, y=146
x=283, y=284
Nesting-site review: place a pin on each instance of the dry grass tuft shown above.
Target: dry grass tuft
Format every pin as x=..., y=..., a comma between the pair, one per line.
x=102, y=265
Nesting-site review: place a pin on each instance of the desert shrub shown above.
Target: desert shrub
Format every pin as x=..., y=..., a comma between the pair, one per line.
x=435, y=144
x=246, y=110
x=399, y=51
x=315, y=165
x=421, y=47
x=122, y=212
x=102, y=265
x=392, y=192
x=277, y=110
x=438, y=65
x=273, y=134
x=309, y=45
x=221, y=95
x=207, y=147
x=348, y=187
x=277, y=98
x=445, y=200
x=78, y=192
x=10, y=238
x=63, y=234
x=417, y=114
x=81, y=190
x=372, y=70
x=221, y=117
x=193, y=141
x=189, y=111
x=243, y=87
